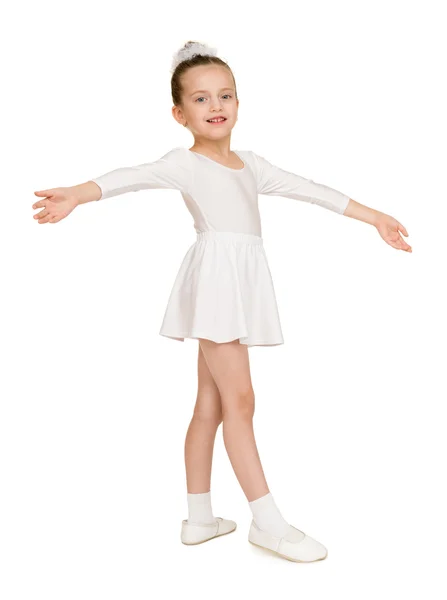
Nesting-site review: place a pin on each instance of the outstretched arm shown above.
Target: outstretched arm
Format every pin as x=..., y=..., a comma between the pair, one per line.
x=274, y=181
x=170, y=171
x=388, y=227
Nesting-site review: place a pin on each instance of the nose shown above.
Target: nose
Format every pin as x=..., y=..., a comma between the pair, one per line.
x=216, y=105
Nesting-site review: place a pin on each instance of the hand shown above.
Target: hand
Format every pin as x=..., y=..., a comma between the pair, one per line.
x=57, y=204
x=389, y=230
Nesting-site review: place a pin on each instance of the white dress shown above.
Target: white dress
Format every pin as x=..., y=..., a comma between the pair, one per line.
x=224, y=289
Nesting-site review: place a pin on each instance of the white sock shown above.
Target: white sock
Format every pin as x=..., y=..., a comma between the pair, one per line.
x=267, y=516
x=199, y=507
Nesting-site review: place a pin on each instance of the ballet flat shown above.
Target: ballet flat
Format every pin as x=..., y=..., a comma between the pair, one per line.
x=197, y=533
x=295, y=545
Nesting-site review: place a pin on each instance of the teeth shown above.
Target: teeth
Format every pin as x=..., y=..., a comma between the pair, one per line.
x=215, y=120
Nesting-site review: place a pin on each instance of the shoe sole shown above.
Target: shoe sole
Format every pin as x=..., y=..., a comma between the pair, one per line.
x=208, y=539
x=286, y=557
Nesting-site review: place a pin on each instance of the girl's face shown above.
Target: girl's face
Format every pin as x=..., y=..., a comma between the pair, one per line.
x=208, y=92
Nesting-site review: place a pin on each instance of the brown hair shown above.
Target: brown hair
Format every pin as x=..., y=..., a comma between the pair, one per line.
x=182, y=67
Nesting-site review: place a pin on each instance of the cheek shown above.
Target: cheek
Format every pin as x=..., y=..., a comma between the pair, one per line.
x=197, y=115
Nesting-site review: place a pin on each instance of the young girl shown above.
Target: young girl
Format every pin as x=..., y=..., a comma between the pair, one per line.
x=223, y=294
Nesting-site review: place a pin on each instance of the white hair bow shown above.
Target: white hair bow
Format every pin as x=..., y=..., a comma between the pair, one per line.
x=189, y=51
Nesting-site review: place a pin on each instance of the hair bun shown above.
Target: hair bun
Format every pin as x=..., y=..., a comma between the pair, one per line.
x=189, y=50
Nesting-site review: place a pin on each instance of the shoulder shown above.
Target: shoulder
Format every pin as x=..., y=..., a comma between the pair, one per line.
x=253, y=160
x=252, y=157
x=246, y=154
x=178, y=158
x=176, y=164
x=177, y=154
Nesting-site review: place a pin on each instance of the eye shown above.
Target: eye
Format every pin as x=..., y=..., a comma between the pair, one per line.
x=229, y=95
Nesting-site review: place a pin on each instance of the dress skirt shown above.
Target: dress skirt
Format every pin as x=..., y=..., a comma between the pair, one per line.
x=224, y=291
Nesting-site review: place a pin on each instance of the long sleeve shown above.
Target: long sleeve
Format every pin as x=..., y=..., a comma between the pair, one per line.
x=273, y=181
x=171, y=171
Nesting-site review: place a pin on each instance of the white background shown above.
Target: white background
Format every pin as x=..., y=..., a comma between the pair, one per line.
x=95, y=404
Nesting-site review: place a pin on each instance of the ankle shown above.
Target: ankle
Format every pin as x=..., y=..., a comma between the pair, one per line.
x=199, y=508
x=267, y=516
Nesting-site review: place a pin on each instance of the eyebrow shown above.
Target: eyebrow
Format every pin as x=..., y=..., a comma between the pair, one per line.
x=204, y=91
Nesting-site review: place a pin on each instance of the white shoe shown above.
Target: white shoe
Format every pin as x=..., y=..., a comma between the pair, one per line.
x=197, y=533
x=295, y=546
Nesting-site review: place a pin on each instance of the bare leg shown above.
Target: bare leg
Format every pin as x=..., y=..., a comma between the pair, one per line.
x=228, y=365
x=201, y=434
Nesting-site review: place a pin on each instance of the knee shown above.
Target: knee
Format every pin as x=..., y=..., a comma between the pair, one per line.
x=240, y=405
x=208, y=416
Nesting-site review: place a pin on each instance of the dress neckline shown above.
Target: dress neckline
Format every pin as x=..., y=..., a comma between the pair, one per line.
x=220, y=164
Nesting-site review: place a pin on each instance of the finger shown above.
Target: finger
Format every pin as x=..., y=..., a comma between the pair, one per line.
x=45, y=219
x=395, y=242
x=40, y=204
x=403, y=244
x=400, y=244
x=402, y=228
x=41, y=215
x=43, y=193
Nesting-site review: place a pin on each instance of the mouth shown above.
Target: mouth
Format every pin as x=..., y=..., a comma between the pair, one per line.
x=216, y=120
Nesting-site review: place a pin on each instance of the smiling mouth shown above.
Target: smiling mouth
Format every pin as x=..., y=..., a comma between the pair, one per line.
x=219, y=120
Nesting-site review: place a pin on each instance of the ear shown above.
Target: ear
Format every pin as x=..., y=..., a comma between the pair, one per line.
x=177, y=114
